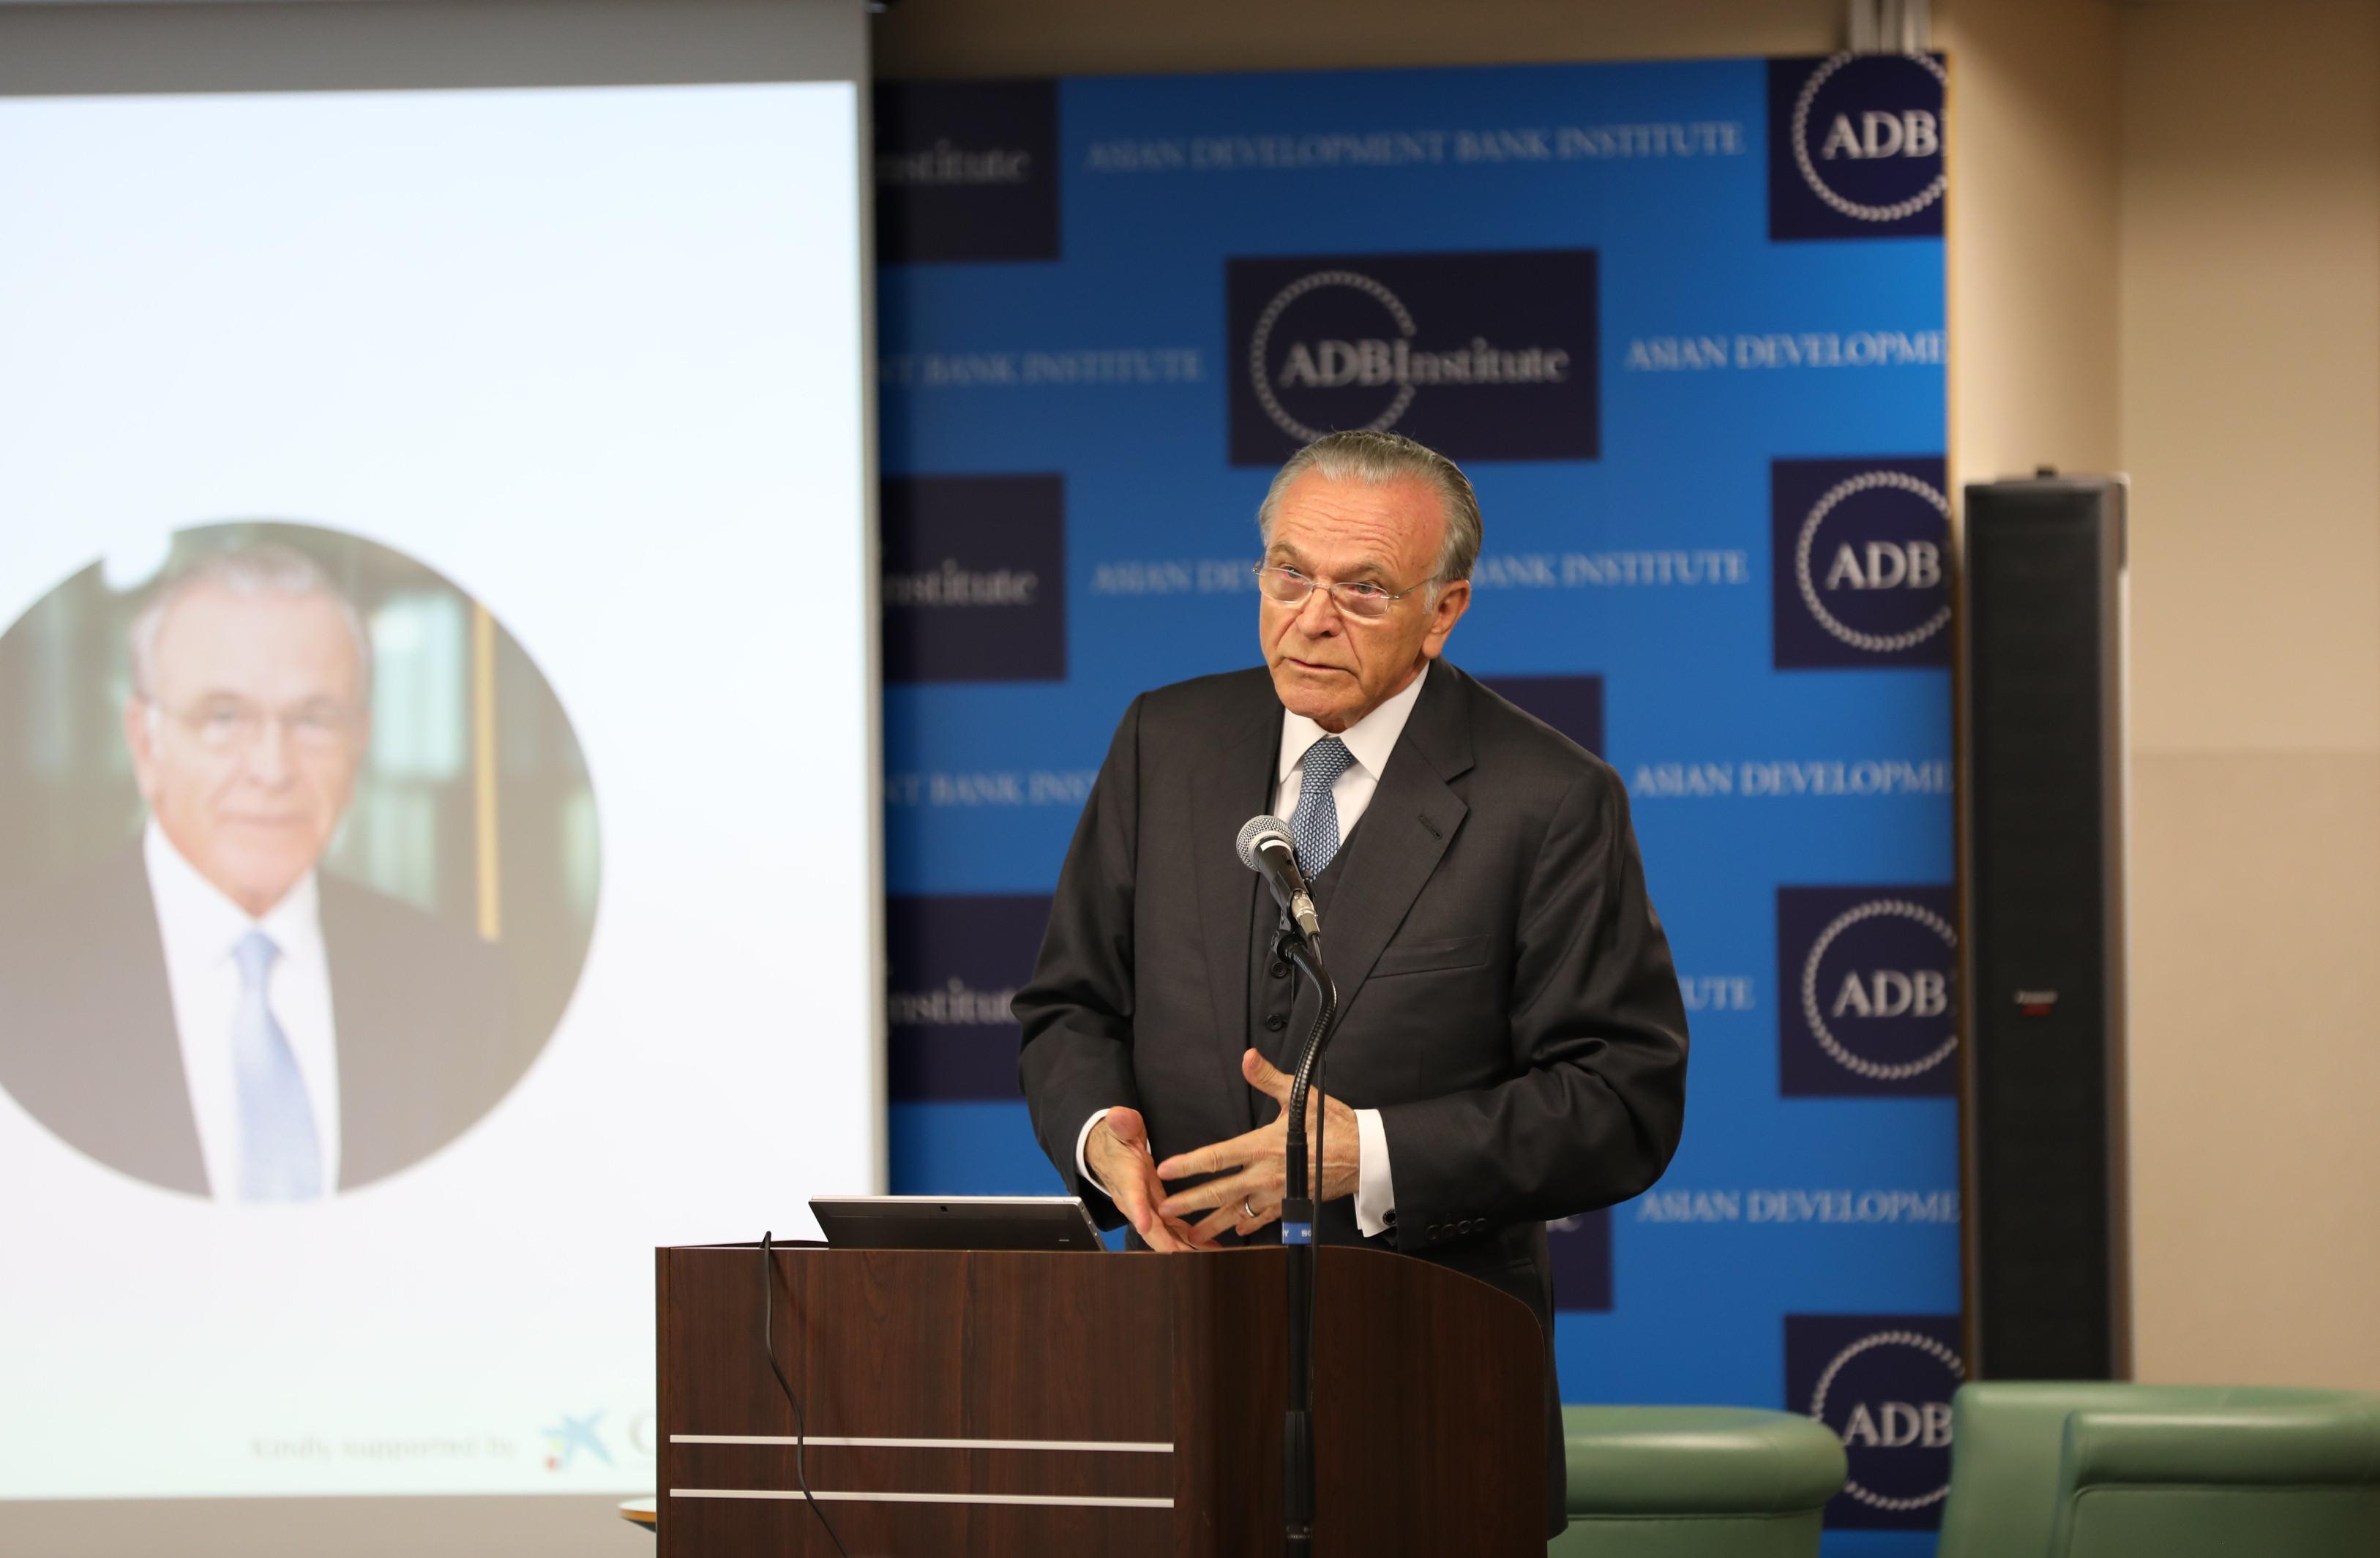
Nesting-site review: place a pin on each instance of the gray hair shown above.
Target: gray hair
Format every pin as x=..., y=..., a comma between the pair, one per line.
x=1375, y=459
x=266, y=569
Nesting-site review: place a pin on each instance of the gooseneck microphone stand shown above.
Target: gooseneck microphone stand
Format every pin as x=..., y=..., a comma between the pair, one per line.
x=1297, y=1237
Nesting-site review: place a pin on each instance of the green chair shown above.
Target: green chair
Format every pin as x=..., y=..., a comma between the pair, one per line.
x=2100, y=1470
x=1695, y=1482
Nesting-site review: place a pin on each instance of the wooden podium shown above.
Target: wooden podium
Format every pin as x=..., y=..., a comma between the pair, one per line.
x=1123, y=1405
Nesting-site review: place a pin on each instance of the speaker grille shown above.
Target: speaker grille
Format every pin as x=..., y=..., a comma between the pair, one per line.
x=2042, y=785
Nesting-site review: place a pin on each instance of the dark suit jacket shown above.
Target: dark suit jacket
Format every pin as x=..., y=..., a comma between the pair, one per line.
x=88, y=1044
x=1507, y=997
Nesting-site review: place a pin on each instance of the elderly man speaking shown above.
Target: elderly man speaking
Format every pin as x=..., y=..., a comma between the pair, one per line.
x=207, y=1011
x=1512, y=1046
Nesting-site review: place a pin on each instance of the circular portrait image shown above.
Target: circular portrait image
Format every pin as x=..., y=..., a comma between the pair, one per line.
x=298, y=862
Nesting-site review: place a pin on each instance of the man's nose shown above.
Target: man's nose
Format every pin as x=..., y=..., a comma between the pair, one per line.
x=268, y=755
x=1317, y=615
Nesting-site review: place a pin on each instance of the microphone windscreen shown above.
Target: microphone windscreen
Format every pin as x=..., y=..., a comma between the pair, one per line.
x=1255, y=829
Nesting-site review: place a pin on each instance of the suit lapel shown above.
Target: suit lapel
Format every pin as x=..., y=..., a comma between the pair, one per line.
x=1406, y=828
x=1230, y=785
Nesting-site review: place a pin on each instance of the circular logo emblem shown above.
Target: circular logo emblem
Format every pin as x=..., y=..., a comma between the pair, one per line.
x=1868, y=561
x=1888, y=1398
x=1875, y=989
x=1326, y=345
x=1867, y=135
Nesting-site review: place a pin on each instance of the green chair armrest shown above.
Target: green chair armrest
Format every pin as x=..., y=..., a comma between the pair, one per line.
x=1708, y=1460
x=2318, y=1442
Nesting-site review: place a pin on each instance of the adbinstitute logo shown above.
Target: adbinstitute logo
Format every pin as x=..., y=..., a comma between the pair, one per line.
x=1572, y=705
x=965, y=170
x=1867, y=1005
x=1855, y=147
x=1858, y=561
x=1581, y=1251
x=1883, y=1383
x=953, y=963
x=975, y=578
x=1482, y=356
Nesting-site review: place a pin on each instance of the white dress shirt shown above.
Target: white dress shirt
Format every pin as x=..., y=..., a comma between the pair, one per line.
x=1370, y=741
x=200, y=927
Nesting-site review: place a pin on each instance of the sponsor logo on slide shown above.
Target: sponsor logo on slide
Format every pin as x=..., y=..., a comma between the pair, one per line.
x=1581, y=1247
x=1572, y=705
x=1867, y=1004
x=1857, y=574
x=1883, y=1383
x=954, y=963
x=1482, y=356
x=975, y=578
x=1855, y=147
x=571, y=1435
x=965, y=170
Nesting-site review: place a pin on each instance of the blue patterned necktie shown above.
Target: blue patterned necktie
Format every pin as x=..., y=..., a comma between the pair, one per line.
x=280, y=1155
x=1315, y=824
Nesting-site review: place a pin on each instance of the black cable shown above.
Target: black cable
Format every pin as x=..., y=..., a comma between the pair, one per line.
x=769, y=1346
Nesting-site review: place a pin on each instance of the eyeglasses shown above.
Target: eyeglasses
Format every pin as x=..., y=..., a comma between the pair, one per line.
x=227, y=725
x=1291, y=587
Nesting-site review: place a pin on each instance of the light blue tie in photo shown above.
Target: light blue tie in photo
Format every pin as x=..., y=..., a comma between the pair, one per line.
x=280, y=1154
x=1315, y=824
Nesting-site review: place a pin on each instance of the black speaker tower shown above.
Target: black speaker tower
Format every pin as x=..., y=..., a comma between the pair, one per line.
x=2042, y=1137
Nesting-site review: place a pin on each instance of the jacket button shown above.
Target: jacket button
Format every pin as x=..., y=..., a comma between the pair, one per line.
x=1280, y=970
x=1276, y=1022
x=1434, y=1229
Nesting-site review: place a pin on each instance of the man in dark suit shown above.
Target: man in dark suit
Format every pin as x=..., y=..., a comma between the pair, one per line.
x=1512, y=1044
x=206, y=1010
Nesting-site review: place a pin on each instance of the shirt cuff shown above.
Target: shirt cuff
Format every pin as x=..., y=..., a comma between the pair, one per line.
x=1082, y=1140
x=1376, y=1193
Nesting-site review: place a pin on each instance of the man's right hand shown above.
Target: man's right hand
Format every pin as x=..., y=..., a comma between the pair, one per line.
x=1118, y=1156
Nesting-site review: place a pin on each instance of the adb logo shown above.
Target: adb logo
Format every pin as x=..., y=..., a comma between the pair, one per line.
x=1883, y=1383
x=975, y=578
x=953, y=965
x=1858, y=561
x=1482, y=356
x=1855, y=147
x=1867, y=1001
x=966, y=170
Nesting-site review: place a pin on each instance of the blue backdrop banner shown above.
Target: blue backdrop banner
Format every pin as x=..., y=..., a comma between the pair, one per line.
x=1682, y=324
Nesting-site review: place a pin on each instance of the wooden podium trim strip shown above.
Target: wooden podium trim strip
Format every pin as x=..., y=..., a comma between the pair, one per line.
x=1117, y=1446
x=824, y=1495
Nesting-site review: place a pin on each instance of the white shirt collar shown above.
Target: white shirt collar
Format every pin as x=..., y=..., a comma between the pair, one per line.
x=1369, y=741
x=204, y=922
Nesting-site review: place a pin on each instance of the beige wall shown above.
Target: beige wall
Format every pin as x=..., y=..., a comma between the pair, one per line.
x=2165, y=257
x=2249, y=350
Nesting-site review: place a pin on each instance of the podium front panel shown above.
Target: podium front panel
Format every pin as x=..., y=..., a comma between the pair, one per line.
x=993, y=1403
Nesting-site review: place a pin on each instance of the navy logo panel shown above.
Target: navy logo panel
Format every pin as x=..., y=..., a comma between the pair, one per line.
x=966, y=170
x=1858, y=566
x=1867, y=1005
x=1482, y=356
x=1581, y=1247
x=1883, y=1383
x=953, y=965
x=1855, y=147
x=975, y=580
x=1572, y=705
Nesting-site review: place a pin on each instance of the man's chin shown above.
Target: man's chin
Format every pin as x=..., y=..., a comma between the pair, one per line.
x=257, y=886
x=1317, y=695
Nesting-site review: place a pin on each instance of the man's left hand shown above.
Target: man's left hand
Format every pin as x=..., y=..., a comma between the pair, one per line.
x=1252, y=1170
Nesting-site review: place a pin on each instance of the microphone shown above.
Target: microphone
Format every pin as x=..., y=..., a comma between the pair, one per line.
x=1266, y=850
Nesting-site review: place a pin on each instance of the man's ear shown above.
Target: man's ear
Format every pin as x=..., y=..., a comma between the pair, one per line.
x=141, y=739
x=1452, y=603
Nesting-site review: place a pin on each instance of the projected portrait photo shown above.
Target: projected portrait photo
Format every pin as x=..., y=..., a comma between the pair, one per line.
x=298, y=862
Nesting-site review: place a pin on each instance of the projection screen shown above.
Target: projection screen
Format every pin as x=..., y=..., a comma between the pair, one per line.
x=438, y=856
